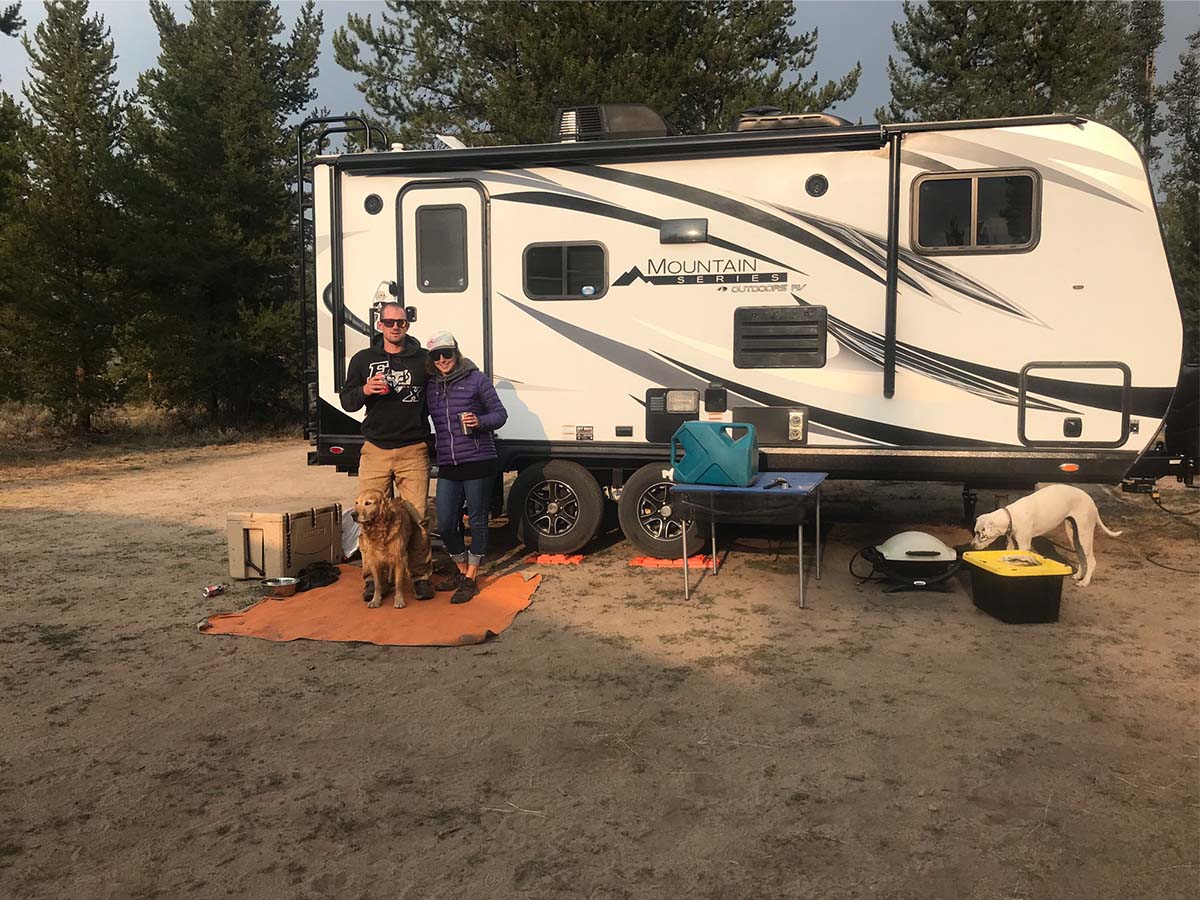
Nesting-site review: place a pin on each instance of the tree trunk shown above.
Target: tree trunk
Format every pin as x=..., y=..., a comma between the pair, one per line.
x=81, y=418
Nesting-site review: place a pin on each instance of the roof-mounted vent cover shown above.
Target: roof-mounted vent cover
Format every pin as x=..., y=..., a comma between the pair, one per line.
x=610, y=122
x=771, y=118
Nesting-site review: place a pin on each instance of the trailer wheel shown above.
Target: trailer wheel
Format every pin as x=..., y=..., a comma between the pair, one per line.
x=648, y=520
x=557, y=506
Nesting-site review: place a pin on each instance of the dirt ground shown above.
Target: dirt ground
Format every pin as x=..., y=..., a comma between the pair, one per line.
x=615, y=742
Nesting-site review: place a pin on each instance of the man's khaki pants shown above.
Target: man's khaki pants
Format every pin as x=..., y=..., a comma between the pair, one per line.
x=403, y=473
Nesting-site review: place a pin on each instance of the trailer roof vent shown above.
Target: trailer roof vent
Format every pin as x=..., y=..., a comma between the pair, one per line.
x=771, y=118
x=610, y=122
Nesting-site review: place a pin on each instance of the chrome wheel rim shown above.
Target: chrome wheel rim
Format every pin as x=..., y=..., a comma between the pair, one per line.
x=654, y=514
x=552, y=508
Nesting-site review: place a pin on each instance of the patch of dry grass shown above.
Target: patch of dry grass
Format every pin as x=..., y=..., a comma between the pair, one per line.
x=29, y=433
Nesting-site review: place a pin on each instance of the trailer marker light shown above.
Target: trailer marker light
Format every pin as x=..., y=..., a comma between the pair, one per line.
x=1069, y=467
x=683, y=401
x=336, y=450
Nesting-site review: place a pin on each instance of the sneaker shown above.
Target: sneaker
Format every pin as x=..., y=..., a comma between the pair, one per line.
x=466, y=590
x=450, y=582
x=422, y=589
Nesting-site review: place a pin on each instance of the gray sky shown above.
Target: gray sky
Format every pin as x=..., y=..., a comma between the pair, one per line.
x=849, y=31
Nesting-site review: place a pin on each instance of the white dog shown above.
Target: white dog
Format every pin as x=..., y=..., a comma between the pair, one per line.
x=1040, y=513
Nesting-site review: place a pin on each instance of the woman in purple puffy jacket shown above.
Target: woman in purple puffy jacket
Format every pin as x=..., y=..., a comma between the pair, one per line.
x=465, y=411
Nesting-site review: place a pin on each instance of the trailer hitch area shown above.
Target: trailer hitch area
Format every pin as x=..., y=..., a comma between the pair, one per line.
x=1140, y=485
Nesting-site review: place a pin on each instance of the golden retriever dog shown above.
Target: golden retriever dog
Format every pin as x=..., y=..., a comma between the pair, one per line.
x=386, y=527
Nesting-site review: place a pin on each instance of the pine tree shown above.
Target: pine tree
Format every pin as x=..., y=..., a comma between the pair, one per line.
x=1136, y=109
x=10, y=19
x=1181, y=211
x=12, y=360
x=968, y=60
x=11, y=172
x=211, y=206
x=64, y=307
x=496, y=72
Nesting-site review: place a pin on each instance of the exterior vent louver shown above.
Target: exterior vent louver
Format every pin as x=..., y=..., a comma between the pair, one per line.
x=581, y=123
x=779, y=337
x=610, y=121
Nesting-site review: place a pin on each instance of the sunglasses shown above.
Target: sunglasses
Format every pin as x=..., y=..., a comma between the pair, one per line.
x=394, y=323
x=441, y=354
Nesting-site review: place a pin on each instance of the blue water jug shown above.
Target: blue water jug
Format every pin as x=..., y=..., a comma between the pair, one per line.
x=715, y=453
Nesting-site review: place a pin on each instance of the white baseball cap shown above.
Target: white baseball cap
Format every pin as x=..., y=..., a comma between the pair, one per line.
x=441, y=340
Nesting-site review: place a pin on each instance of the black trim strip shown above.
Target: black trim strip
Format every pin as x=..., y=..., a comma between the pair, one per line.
x=639, y=362
x=993, y=158
x=860, y=241
x=332, y=420
x=893, y=262
x=596, y=208
x=339, y=284
x=734, y=208
x=970, y=124
x=980, y=468
x=654, y=369
x=1144, y=401
x=807, y=140
x=863, y=241
x=896, y=435
x=692, y=146
x=870, y=347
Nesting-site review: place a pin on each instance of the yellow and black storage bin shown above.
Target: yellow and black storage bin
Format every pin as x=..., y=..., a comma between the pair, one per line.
x=1016, y=586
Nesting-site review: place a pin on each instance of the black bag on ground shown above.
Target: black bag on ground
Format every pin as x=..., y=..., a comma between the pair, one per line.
x=319, y=574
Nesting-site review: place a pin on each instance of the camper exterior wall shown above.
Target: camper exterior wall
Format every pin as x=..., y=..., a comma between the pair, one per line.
x=573, y=373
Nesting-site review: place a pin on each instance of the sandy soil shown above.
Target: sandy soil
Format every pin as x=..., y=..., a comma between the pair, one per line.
x=615, y=742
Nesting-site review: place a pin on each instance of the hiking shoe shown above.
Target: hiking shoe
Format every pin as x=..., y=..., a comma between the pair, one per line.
x=369, y=589
x=450, y=582
x=422, y=589
x=466, y=590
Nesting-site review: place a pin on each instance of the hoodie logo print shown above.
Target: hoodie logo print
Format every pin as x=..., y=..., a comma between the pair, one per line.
x=399, y=380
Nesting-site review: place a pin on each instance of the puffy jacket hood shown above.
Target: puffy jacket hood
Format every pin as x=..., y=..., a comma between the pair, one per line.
x=464, y=368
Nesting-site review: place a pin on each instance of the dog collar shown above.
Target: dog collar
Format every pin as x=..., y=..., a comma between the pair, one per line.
x=1010, y=527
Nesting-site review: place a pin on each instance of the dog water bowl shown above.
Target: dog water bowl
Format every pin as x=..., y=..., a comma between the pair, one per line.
x=280, y=588
x=1016, y=586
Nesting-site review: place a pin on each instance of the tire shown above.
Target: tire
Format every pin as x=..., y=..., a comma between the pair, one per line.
x=646, y=520
x=556, y=505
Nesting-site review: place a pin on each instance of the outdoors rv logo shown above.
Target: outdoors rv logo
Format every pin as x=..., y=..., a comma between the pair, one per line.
x=701, y=271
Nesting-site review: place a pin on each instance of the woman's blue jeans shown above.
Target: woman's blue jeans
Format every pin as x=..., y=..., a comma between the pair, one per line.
x=477, y=492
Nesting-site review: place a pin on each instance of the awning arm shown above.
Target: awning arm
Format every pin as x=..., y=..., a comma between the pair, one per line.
x=893, y=257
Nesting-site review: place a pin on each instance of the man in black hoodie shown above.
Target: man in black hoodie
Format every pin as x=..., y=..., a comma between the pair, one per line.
x=389, y=379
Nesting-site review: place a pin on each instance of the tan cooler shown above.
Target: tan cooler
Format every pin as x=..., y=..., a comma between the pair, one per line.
x=275, y=545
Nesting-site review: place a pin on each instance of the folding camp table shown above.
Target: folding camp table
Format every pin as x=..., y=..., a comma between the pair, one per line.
x=799, y=489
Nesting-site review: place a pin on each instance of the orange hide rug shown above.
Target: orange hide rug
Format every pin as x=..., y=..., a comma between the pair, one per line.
x=338, y=613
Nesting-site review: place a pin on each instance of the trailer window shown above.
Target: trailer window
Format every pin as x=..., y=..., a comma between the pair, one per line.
x=566, y=271
x=442, y=249
x=945, y=212
x=1004, y=211
x=976, y=212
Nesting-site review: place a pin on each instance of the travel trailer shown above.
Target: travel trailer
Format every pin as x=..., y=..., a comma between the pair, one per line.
x=985, y=302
